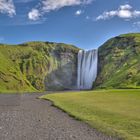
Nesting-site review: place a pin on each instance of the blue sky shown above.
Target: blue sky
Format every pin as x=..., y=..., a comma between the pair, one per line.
x=84, y=23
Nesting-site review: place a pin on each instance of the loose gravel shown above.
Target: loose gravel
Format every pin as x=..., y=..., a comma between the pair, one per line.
x=24, y=117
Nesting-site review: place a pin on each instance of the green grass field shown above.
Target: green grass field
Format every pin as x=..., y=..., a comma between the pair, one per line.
x=114, y=112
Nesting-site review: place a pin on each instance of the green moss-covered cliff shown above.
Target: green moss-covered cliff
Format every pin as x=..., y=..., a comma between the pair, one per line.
x=37, y=66
x=40, y=66
x=119, y=63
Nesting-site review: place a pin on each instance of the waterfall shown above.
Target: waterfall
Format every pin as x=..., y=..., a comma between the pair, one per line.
x=87, y=68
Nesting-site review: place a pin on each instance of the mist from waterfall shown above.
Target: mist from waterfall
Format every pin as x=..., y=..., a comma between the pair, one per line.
x=87, y=68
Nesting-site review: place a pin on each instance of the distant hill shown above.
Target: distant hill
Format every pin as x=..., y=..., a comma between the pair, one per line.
x=37, y=66
x=119, y=62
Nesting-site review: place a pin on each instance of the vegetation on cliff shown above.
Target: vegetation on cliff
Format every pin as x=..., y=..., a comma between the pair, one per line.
x=39, y=66
x=24, y=67
x=119, y=63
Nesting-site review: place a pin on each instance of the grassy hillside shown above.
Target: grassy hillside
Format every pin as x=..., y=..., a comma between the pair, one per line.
x=37, y=66
x=114, y=112
x=119, y=63
x=24, y=67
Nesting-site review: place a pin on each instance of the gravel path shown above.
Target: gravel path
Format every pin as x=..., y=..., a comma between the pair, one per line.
x=24, y=117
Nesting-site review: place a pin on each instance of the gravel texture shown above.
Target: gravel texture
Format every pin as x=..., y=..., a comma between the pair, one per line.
x=24, y=117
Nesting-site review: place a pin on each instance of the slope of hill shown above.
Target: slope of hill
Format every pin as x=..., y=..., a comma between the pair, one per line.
x=33, y=65
x=119, y=63
x=39, y=66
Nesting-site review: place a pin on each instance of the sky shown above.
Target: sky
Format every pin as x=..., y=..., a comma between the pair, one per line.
x=84, y=23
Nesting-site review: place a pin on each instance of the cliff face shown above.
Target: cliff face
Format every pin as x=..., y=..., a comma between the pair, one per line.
x=37, y=66
x=64, y=75
x=119, y=63
x=40, y=66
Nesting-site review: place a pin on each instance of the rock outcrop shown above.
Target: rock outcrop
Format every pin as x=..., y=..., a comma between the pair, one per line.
x=64, y=74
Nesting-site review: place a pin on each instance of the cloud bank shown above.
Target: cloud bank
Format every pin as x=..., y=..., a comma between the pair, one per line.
x=7, y=7
x=47, y=6
x=124, y=11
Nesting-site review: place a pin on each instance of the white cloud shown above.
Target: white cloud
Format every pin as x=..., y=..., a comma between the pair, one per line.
x=137, y=23
x=7, y=7
x=78, y=12
x=125, y=7
x=34, y=14
x=136, y=13
x=124, y=11
x=51, y=5
x=87, y=17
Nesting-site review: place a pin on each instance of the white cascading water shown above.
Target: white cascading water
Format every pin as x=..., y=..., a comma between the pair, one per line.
x=87, y=68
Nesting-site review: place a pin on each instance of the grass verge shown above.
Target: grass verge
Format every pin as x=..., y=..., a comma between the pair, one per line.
x=113, y=112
